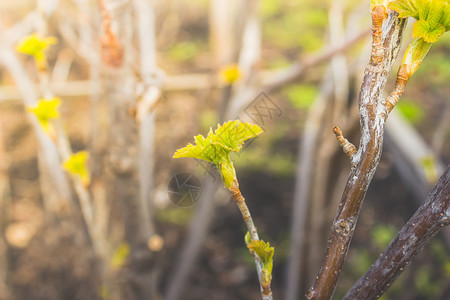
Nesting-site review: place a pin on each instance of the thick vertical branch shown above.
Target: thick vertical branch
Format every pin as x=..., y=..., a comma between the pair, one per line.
x=366, y=159
x=428, y=220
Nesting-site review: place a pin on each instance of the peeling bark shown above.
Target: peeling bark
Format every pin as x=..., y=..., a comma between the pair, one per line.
x=364, y=161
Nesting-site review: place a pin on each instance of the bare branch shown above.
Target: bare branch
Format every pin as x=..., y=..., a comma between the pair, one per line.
x=365, y=160
x=428, y=220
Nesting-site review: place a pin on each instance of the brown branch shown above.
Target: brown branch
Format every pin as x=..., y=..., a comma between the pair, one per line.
x=428, y=220
x=364, y=161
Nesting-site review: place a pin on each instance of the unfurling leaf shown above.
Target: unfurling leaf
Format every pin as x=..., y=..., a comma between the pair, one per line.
x=423, y=29
x=218, y=145
x=233, y=134
x=76, y=165
x=247, y=238
x=264, y=252
x=405, y=8
x=45, y=111
x=433, y=20
x=36, y=46
x=231, y=73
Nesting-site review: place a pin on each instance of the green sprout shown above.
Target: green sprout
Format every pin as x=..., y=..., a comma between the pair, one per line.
x=216, y=148
x=265, y=253
x=218, y=145
x=433, y=20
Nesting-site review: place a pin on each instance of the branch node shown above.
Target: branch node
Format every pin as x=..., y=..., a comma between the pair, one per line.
x=403, y=75
x=348, y=148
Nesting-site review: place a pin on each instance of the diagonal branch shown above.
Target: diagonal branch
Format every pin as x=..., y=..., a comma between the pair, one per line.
x=366, y=159
x=428, y=220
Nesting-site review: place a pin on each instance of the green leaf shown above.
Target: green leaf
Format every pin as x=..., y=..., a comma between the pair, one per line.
x=217, y=146
x=46, y=110
x=76, y=165
x=233, y=134
x=405, y=8
x=247, y=238
x=445, y=17
x=430, y=34
x=205, y=150
x=264, y=252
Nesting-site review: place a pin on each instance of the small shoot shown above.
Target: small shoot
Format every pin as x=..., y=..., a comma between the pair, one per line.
x=36, y=46
x=76, y=165
x=216, y=148
x=218, y=145
x=433, y=20
x=247, y=238
x=45, y=111
x=265, y=254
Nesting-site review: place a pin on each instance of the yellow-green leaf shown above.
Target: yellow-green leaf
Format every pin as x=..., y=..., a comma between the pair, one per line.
x=203, y=149
x=217, y=146
x=405, y=8
x=233, y=134
x=46, y=110
x=247, y=238
x=264, y=252
x=35, y=45
x=430, y=34
x=76, y=165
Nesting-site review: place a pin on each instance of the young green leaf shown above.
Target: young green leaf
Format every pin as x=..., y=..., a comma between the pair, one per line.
x=405, y=8
x=76, y=165
x=433, y=16
x=217, y=146
x=247, y=238
x=233, y=134
x=430, y=34
x=433, y=20
x=45, y=111
x=265, y=253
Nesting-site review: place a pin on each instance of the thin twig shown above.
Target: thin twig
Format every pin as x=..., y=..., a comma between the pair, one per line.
x=266, y=292
x=428, y=220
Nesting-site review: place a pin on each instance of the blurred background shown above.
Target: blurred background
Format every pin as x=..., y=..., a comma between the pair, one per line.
x=137, y=79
